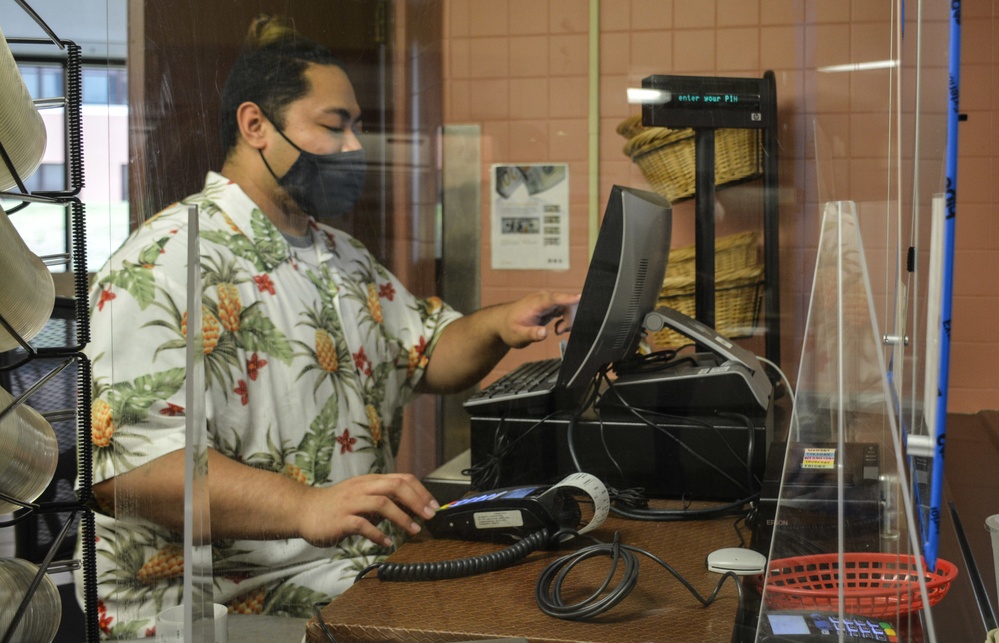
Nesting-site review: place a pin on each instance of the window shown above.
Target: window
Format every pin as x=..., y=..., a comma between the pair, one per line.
x=105, y=127
x=49, y=177
x=105, y=86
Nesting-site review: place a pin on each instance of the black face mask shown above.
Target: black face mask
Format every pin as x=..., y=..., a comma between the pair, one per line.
x=323, y=185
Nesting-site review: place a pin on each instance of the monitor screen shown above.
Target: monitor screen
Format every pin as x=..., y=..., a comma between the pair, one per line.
x=622, y=285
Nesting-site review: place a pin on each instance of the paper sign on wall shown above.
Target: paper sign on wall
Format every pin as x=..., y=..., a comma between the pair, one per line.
x=530, y=217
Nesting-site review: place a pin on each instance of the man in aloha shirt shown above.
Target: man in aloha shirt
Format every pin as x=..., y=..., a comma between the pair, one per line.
x=310, y=348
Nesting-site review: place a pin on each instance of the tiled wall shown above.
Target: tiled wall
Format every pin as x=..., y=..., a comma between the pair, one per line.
x=975, y=347
x=520, y=69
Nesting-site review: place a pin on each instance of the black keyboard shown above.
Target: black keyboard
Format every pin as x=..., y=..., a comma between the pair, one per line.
x=529, y=386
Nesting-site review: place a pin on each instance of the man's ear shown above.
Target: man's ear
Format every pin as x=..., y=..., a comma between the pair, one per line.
x=252, y=124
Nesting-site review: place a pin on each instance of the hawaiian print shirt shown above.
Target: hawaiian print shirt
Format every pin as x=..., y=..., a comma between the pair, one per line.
x=308, y=359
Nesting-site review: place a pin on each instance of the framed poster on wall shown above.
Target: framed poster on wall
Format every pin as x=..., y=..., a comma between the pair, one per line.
x=530, y=216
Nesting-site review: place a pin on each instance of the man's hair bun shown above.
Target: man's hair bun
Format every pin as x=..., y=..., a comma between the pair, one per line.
x=267, y=29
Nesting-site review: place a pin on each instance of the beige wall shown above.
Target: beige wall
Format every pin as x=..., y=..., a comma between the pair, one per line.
x=520, y=69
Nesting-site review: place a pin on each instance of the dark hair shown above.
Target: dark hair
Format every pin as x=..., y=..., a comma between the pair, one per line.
x=269, y=72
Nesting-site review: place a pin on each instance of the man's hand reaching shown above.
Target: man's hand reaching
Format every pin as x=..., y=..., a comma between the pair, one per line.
x=527, y=319
x=357, y=505
x=471, y=346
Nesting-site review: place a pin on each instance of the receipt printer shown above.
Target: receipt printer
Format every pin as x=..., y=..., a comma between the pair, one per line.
x=799, y=502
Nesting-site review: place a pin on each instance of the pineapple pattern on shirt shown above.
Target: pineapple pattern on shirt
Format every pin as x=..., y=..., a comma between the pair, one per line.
x=308, y=359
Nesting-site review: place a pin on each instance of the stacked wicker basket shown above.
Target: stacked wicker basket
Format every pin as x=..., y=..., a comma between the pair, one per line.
x=667, y=159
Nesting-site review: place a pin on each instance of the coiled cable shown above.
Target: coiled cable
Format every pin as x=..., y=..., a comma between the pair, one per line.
x=548, y=591
x=461, y=567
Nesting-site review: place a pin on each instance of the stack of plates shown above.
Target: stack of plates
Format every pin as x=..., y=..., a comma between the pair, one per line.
x=30, y=454
x=27, y=295
x=40, y=621
x=22, y=130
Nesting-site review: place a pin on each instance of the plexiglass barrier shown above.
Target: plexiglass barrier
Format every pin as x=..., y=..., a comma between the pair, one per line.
x=844, y=548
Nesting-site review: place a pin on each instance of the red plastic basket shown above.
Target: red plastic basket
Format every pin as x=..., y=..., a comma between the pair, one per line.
x=874, y=584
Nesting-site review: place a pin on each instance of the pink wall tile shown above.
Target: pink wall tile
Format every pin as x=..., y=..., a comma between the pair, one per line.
x=827, y=12
x=995, y=30
x=962, y=400
x=458, y=58
x=966, y=310
x=871, y=41
x=973, y=230
x=457, y=100
x=993, y=231
x=568, y=97
x=528, y=17
x=974, y=181
x=738, y=50
x=615, y=16
x=529, y=98
x=865, y=11
x=869, y=136
x=528, y=139
x=829, y=44
x=871, y=90
x=495, y=142
x=975, y=136
x=529, y=56
x=456, y=20
x=827, y=93
x=568, y=16
x=614, y=97
x=782, y=12
x=614, y=53
x=978, y=9
x=976, y=40
x=973, y=365
x=651, y=14
x=651, y=53
x=568, y=55
x=488, y=58
x=487, y=18
x=489, y=99
x=568, y=140
x=738, y=13
x=694, y=50
x=693, y=14
x=970, y=269
x=781, y=47
x=976, y=95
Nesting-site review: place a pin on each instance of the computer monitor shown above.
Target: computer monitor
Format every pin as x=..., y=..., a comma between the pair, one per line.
x=622, y=285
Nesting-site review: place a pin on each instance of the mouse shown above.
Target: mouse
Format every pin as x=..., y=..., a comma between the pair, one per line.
x=738, y=560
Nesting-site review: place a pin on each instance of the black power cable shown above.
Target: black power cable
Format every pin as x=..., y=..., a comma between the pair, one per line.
x=548, y=591
x=461, y=567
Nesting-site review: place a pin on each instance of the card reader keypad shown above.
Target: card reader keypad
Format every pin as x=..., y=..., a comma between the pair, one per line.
x=859, y=627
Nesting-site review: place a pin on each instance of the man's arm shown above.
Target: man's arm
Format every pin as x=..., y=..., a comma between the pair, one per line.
x=471, y=346
x=250, y=503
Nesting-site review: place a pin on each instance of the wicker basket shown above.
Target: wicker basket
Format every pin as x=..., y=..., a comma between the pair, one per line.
x=732, y=252
x=738, y=287
x=667, y=159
